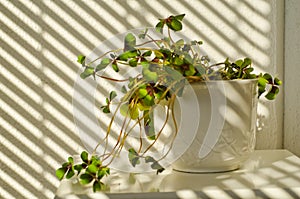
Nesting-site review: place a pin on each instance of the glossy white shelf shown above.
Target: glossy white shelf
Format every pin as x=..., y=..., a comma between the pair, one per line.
x=267, y=174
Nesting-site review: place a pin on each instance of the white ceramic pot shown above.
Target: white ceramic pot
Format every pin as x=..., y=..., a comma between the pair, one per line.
x=227, y=126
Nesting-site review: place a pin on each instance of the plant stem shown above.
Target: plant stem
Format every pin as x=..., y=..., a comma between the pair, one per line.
x=129, y=94
x=153, y=40
x=141, y=138
x=160, y=131
x=169, y=34
x=88, y=64
x=112, y=79
x=217, y=64
x=175, y=125
x=147, y=42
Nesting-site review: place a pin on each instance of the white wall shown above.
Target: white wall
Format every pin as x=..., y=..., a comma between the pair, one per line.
x=39, y=43
x=292, y=73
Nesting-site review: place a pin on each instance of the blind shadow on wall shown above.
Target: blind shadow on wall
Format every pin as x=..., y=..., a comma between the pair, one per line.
x=39, y=43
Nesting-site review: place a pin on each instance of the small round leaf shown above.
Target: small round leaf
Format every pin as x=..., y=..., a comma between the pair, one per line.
x=84, y=156
x=87, y=72
x=92, y=169
x=86, y=178
x=96, y=186
x=70, y=174
x=60, y=173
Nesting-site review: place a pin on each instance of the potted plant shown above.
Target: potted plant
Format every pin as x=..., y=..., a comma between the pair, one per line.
x=167, y=70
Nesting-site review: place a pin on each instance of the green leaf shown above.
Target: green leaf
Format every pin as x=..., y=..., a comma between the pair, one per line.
x=65, y=165
x=277, y=81
x=104, y=63
x=81, y=59
x=129, y=42
x=123, y=89
x=133, y=157
x=96, y=186
x=147, y=53
x=114, y=66
x=70, y=173
x=175, y=25
x=249, y=70
x=87, y=72
x=179, y=43
x=132, y=151
x=262, y=82
x=272, y=93
x=135, y=161
x=268, y=77
x=160, y=170
x=247, y=62
x=133, y=62
x=149, y=159
x=86, y=178
x=84, y=156
x=143, y=35
x=150, y=76
x=112, y=95
x=96, y=161
x=179, y=17
x=191, y=71
x=155, y=165
x=106, y=109
x=124, y=109
x=60, y=173
x=112, y=56
x=78, y=167
x=127, y=55
x=148, y=100
x=261, y=90
x=159, y=27
x=149, y=125
x=143, y=92
x=103, y=172
x=159, y=54
x=92, y=169
x=70, y=160
x=239, y=63
x=178, y=61
x=158, y=95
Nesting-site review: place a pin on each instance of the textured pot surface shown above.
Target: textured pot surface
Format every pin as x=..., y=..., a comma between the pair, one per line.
x=226, y=133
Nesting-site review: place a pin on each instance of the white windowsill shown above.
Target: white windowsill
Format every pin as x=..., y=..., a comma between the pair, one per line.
x=267, y=174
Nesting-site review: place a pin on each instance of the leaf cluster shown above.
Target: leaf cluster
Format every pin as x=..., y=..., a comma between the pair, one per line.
x=170, y=61
x=108, y=100
x=269, y=85
x=90, y=170
x=135, y=158
x=173, y=23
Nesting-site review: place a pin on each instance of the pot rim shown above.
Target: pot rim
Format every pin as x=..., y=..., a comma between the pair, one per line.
x=225, y=81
